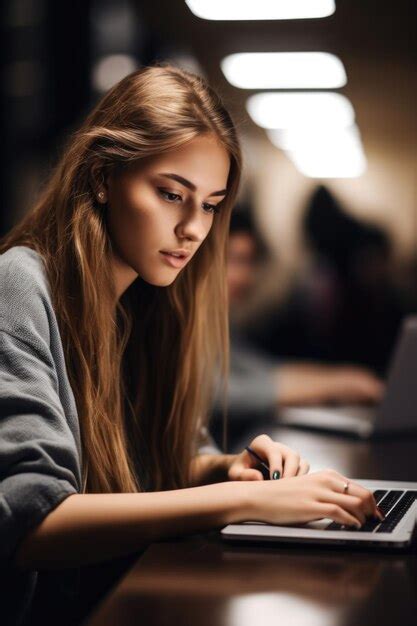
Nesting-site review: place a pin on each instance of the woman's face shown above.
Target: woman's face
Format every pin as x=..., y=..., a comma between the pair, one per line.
x=165, y=205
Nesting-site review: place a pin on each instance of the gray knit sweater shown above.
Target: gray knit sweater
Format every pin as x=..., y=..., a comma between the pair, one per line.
x=40, y=452
x=40, y=455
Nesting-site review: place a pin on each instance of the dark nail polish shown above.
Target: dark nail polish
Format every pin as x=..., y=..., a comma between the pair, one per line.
x=276, y=475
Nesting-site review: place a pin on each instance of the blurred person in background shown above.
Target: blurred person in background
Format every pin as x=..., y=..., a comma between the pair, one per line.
x=345, y=305
x=259, y=382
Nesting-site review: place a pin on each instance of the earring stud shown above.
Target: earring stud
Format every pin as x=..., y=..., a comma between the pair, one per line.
x=101, y=195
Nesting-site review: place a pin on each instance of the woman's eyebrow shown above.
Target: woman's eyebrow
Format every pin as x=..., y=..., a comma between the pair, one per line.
x=191, y=185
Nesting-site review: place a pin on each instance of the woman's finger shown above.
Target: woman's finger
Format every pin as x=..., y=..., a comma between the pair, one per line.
x=250, y=474
x=368, y=503
x=367, y=498
x=303, y=468
x=291, y=462
x=271, y=452
x=337, y=514
x=351, y=504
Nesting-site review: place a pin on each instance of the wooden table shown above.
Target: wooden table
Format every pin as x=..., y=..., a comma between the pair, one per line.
x=202, y=581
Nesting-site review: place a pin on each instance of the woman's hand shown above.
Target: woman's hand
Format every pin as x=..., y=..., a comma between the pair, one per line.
x=282, y=461
x=303, y=499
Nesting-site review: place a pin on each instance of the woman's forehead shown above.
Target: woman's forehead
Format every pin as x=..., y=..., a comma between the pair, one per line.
x=203, y=162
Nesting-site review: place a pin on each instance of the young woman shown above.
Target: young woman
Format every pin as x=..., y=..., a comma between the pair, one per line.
x=113, y=317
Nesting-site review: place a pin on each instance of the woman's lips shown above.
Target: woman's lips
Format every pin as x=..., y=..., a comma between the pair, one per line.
x=174, y=261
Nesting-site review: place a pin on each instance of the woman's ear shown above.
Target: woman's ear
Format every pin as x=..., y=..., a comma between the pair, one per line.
x=98, y=183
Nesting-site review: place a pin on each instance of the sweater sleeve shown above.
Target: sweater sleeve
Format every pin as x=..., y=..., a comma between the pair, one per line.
x=38, y=454
x=252, y=386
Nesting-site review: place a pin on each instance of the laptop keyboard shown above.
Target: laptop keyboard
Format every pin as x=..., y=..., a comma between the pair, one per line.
x=394, y=504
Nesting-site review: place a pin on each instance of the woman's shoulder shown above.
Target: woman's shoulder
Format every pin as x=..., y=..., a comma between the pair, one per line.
x=24, y=288
x=20, y=262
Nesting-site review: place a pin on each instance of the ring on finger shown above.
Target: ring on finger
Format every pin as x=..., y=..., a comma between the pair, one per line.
x=346, y=487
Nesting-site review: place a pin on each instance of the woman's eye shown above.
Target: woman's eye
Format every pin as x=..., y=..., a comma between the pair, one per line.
x=210, y=208
x=169, y=196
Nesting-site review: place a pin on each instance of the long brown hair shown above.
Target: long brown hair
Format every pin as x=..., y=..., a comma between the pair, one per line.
x=142, y=371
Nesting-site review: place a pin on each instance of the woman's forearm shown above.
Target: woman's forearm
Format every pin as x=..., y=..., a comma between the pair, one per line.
x=210, y=468
x=87, y=528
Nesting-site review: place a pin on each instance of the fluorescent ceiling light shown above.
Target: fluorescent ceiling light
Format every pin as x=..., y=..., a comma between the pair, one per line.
x=285, y=110
x=284, y=70
x=260, y=9
x=304, y=138
x=330, y=166
x=342, y=157
x=323, y=152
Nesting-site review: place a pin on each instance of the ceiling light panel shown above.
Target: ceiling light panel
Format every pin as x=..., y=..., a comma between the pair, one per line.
x=260, y=9
x=300, y=109
x=298, y=138
x=344, y=161
x=284, y=70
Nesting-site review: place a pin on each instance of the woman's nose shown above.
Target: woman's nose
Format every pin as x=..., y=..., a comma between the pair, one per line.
x=194, y=225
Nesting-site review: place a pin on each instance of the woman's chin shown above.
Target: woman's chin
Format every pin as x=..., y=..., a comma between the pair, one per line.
x=162, y=280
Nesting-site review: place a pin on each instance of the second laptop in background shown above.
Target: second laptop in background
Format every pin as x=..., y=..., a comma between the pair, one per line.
x=397, y=411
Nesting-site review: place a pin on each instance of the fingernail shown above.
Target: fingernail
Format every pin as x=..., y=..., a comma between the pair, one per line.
x=276, y=475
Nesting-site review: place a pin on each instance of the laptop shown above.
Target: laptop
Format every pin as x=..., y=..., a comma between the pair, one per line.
x=396, y=499
x=397, y=410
